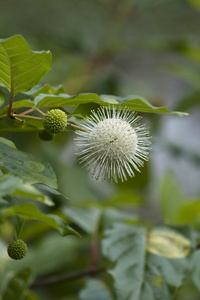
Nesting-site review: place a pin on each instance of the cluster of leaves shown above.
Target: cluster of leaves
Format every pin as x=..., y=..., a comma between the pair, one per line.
x=136, y=262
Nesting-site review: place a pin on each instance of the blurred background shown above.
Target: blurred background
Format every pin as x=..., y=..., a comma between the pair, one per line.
x=140, y=47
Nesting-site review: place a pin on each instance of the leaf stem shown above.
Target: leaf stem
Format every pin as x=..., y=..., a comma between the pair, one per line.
x=27, y=111
x=15, y=234
x=41, y=112
x=21, y=229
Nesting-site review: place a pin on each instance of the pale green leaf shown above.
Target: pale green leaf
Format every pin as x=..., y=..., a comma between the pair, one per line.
x=25, y=166
x=135, y=103
x=20, y=66
x=168, y=243
x=29, y=211
x=7, y=142
x=95, y=289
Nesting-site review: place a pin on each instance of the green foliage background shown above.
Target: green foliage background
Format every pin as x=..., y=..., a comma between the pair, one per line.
x=145, y=48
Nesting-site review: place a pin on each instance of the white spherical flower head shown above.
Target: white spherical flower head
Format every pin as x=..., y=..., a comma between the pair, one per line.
x=113, y=144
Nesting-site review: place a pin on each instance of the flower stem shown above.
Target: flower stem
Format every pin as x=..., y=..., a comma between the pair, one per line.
x=77, y=127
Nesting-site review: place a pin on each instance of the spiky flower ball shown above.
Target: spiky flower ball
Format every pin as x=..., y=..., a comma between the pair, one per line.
x=45, y=135
x=55, y=121
x=17, y=249
x=113, y=144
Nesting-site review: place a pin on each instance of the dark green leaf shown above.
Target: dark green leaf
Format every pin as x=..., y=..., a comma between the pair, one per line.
x=132, y=102
x=29, y=211
x=25, y=166
x=21, y=66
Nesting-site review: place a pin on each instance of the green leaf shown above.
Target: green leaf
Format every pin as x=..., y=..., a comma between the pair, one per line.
x=18, y=104
x=85, y=218
x=135, y=103
x=20, y=67
x=125, y=245
x=45, y=89
x=95, y=289
x=137, y=273
x=195, y=269
x=28, y=191
x=18, y=283
x=25, y=166
x=29, y=211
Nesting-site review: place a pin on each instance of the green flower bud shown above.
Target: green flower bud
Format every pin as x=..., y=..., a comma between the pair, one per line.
x=17, y=249
x=55, y=121
x=45, y=135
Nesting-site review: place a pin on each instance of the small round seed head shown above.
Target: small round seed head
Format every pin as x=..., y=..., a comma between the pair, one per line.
x=55, y=121
x=17, y=249
x=45, y=135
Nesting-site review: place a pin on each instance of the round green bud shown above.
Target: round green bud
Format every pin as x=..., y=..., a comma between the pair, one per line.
x=45, y=135
x=55, y=121
x=17, y=249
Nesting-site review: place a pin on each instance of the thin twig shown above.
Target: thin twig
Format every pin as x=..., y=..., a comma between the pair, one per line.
x=67, y=277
